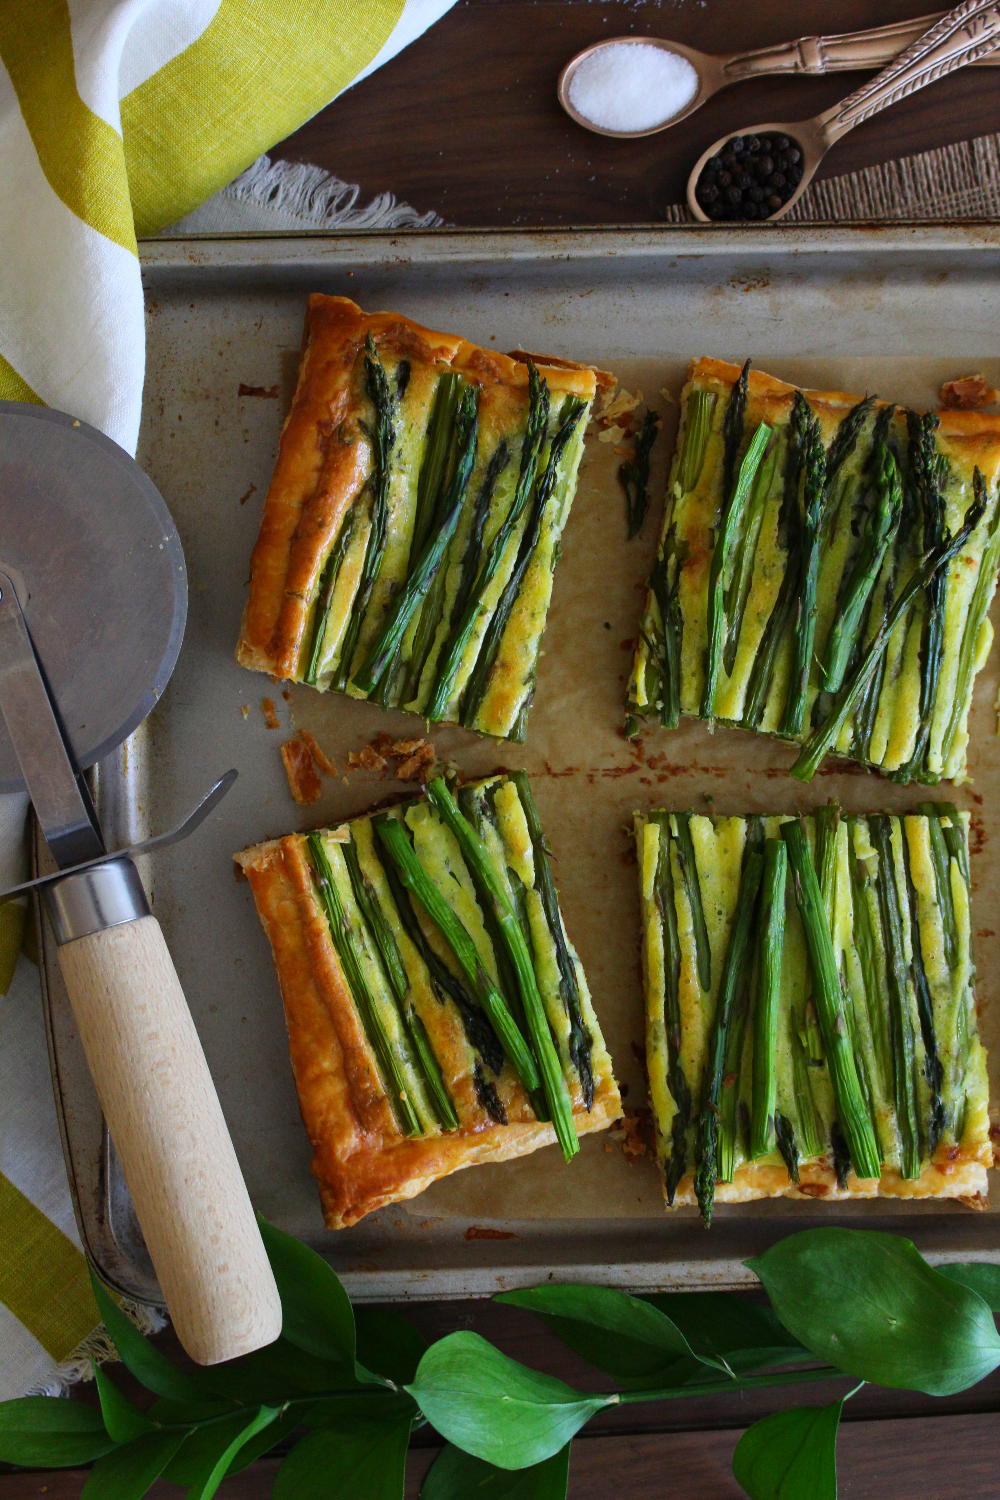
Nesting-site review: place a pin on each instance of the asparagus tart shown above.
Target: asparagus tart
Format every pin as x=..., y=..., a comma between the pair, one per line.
x=412, y=523
x=824, y=573
x=438, y=1015
x=811, y=1021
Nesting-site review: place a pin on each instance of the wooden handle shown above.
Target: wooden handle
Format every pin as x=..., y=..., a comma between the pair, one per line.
x=171, y=1138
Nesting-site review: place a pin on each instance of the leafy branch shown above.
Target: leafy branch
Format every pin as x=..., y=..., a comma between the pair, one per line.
x=347, y=1386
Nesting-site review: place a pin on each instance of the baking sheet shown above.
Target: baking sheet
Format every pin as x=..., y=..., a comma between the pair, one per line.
x=895, y=310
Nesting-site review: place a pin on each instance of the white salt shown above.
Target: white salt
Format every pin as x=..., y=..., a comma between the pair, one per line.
x=632, y=86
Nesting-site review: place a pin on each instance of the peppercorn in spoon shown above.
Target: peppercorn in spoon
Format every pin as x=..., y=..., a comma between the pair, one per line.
x=762, y=171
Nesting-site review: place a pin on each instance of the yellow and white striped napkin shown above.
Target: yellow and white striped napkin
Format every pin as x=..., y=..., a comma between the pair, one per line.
x=117, y=118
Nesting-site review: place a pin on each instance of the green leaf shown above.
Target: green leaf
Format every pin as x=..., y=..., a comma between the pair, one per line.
x=282, y=1370
x=381, y=1406
x=316, y=1311
x=743, y=1334
x=214, y=1472
x=871, y=1305
x=128, y=1472
x=455, y=1475
x=202, y=1449
x=43, y=1432
x=187, y=1413
x=388, y=1344
x=365, y=1461
x=979, y=1276
x=269, y=1437
x=631, y=1339
x=143, y=1359
x=123, y=1420
x=791, y=1455
x=495, y=1408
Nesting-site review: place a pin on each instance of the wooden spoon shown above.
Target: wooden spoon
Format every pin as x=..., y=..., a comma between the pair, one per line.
x=811, y=55
x=967, y=34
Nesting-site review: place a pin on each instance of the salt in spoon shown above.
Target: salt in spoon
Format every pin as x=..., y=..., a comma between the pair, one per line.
x=808, y=55
x=964, y=35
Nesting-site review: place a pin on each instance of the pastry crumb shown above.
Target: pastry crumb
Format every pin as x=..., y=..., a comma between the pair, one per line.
x=968, y=393
x=414, y=765
x=321, y=760
x=303, y=780
x=367, y=759
x=638, y=1135
x=270, y=717
x=245, y=710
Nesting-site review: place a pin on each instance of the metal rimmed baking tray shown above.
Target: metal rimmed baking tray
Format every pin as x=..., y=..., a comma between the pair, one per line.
x=896, y=309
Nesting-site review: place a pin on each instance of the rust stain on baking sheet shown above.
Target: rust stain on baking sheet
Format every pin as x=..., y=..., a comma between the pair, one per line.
x=477, y=1232
x=246, y=497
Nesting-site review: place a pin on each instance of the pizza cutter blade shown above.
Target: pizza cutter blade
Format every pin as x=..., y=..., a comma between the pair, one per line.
x=93, y=598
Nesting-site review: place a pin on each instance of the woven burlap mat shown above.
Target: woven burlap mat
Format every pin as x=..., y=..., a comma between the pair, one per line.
x=951, y=182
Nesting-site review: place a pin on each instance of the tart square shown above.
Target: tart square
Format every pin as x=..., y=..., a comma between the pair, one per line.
x=438, y=1015
x=412, y=523
x=810, y=1004
x=824, y=573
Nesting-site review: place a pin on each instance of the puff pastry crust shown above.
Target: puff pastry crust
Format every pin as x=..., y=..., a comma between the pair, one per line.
x=362, y=1159
x=320, y=485
x=887, y=734
x=899, y=1044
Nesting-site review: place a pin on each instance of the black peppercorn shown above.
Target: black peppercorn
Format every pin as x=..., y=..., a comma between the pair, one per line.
x=737, y=146
x=774, y=202
x=756, y=195
x=717, y=211
x=751, y=144
x=714, y=164
x=765, y=166
x=782, y=142
x=707, y=192
x=733, y=194
x=742, y=180
x=724, y=179
x=794, y=154
x=778, y=181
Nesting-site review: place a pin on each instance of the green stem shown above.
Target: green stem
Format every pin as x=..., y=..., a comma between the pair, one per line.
x=384, y=940
x=580, y=1040
x=941, y=862
x=396, y=841
x=897, y=977
x=698, y=411
x=732, y=430
x=933, y=1071
x=738, y=592
x=531, y=447
x=324, y=601
x=846, y=439
x=389, y=640
x=673, y=1026
x=926, y=468
x=633, y=475
x=491, y=889
x=851, y=1107
x=573, y=409
x=726, y=536
x=954, y=837
x=381, y=436
x=813, y=500
x=866, y=944
x=390, y=1069
x=978, y=607
x=681, y=824
x=738, y=1383
x=768, y=997
x=827, y=735
x=734, y=978
x=860, y=579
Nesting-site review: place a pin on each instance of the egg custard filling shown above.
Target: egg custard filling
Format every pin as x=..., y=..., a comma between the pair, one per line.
x=412, y=524
x=810, y=1002
x=438, y=1015
x=824, y=573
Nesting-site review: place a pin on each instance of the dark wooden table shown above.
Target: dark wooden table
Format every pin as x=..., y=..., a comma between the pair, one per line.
x=465, y=122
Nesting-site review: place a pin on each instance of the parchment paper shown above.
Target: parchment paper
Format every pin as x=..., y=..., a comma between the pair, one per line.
x=589, y=781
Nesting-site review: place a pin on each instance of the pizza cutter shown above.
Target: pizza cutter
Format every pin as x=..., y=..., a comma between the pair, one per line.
x=93, y=600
